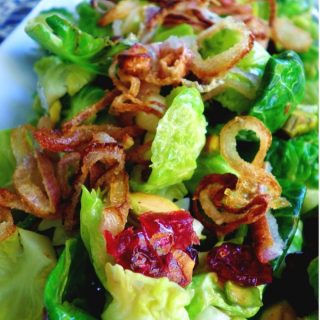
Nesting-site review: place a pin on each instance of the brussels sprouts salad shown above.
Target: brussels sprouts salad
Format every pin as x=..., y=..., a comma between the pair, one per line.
x=170, y=167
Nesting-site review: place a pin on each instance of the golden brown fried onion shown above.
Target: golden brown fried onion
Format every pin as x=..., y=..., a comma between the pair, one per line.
x=36, y=188
x=289, y=36
x=222, y=62
x=104, y=152
x=7, y=226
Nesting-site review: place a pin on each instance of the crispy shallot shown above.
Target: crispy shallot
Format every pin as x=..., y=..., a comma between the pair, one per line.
x=222, y=62
x=230, y=201
x=7, y=226
x=289, y=36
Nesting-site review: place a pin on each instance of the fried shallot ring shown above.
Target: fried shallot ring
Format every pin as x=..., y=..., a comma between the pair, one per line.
x=68, y=141
x=225, y=219
x=103, y=150
x=252, y=175
x=289, y=36
x=128, y=103
x=43, y=203
x=118, y=12
x=192, y=12
x=160, y=64
x=68, y=162
x=11, y=200
x=222, y=62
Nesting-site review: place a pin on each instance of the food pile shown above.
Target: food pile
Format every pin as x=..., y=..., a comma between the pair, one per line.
x=170, y=168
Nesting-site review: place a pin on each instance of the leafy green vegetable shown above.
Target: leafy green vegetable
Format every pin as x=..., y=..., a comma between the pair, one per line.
x=261, y=9
x=213, y=313
x=181, y=30
x=7, y=159
x=59, y=234
x=91, y=216
x=302, y=120
x=26, y=258
x=292, y=8
x=311, y=200
x=219, y=42
x=208, y=163
x=288, y=217
x=313, y=271
x=282, y=89
x=56, y=78
x=233, y=100
x=138, y=297
x=179, y=139
x=69, y=292
x=310, y=64
x=174, y=192
x=63, y=12
x=310, y=59
x=297, y=241
x=296, y=159
x=233, y=300
x=67, y=41
x=86, y=97
x=247, y=74
x=88, y=21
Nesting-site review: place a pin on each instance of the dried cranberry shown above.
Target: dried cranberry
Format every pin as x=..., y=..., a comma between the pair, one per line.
x=177, y=224
x=131, y=249
x=239, y=264
x=157, y=249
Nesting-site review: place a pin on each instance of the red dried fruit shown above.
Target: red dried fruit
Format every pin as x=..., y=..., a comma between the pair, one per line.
x=239, y=264
x=160, y=248
x=177, y=224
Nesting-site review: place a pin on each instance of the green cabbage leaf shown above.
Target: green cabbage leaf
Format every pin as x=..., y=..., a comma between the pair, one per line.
x=26, y=259
x=179, y=139
x=138, y=297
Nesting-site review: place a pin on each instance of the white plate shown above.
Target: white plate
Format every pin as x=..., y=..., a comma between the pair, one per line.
x=17, y=78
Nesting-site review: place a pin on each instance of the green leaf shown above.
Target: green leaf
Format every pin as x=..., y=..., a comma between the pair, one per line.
x=88, y=21
x=91, y=219
x=69, y=292
x=310, y=64
x=179, y=138
x=7, y=159
x=26, y=258
x=219, y=42
x=56, y=78
x=247, y=74
x=296, y=159
x=292, y=8
x=138, y=297
x=86, y=97
x=313, y=271
x=63, y=12
x=288, y=217
x=208, y=291
x=282, y=89
x=297, y=241
x=163, y=33
x=66, y=40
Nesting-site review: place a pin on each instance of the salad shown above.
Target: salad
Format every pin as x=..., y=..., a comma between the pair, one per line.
x=170, y=167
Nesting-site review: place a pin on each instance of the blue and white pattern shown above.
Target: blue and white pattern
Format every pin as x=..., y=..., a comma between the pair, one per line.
x=12, y=13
